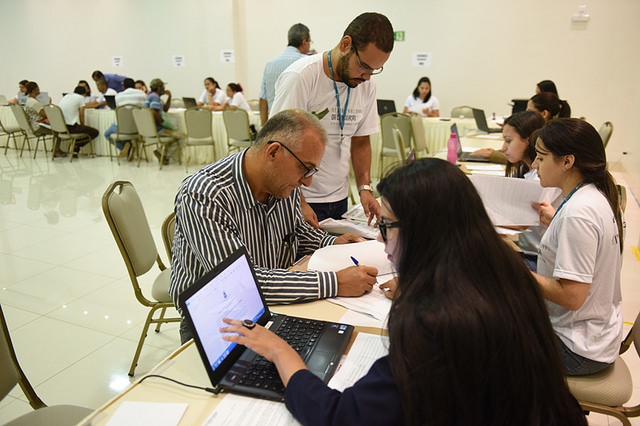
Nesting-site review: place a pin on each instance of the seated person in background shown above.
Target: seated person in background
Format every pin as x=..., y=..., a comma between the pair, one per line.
x=90, y=101
x=549, y=105
x=35, y=111
x=235, y=98
x=140, y=85
x=470, y=341
x=114, y=81
x=252, y=199
x=421, y=101
x=546, y=86
x=21, y=97
x=72, y=106
x=154, y=102
x=130, y=96
x=213, y=98
x=580, y=253
x=104, y=90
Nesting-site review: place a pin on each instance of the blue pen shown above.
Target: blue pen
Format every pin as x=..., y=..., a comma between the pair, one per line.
x=355, y=261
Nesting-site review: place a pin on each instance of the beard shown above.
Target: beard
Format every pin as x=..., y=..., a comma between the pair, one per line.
x=342, y=70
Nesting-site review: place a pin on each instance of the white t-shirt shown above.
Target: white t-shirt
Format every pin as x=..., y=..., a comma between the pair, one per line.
x=416, y=105
x=131, y=96
x=582, y=244
x=218, y=96
x=304, y=85
x=109, y=92
x=239, y=101
x=70, y=105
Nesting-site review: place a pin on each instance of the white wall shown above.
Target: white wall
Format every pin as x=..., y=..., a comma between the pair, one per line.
x=484, y=53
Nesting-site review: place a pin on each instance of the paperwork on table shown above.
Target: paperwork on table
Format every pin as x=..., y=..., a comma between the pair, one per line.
x=343, y=226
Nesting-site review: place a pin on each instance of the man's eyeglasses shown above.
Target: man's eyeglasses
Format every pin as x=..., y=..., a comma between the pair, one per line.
x=310, y=172
x=383, y=225
x=365, y=68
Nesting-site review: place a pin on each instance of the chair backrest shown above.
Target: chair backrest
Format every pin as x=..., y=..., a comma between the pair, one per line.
x=605, y=132
x=399, y=142
x=124, y=118
x=199, y=123
x=145, y=122
x=237, y=124
x=463, y=111
x=21, y=118
x=254, y=104
x=168, y=229
x=419, y=136
x=125, y=215
x=3, y=100
x=56, y=118
x=399, y=120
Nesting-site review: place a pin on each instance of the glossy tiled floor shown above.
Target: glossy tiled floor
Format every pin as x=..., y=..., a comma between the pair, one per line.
x=64, y=288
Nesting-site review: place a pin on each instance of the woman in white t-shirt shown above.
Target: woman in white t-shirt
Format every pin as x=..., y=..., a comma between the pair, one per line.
x=235, y=98
x=421, y=101
x=580, y=253
x=212, y=98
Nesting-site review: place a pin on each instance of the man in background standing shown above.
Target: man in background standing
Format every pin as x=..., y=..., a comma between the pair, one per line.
x=114, y=81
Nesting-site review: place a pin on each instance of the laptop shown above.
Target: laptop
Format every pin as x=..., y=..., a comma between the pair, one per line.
x=43, y=98
x=189, y=102
x=386, y=106
x=231, y=290
x=466, y=156
x=111, y=101
x=481, y=122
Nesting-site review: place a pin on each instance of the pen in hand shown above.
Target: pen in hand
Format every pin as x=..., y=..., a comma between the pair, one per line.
x=355, y=261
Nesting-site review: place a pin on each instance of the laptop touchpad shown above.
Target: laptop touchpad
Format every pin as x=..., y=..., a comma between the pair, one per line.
x=322, y=363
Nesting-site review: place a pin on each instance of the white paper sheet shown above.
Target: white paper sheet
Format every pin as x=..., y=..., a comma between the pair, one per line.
x=254, y=412
x=360, y=320
x=374, y=304
x=366, y=349
x=338, y=256
x=133, y=413
x=344, y=226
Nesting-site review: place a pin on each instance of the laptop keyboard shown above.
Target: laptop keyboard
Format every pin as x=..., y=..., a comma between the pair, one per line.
x=302, y=334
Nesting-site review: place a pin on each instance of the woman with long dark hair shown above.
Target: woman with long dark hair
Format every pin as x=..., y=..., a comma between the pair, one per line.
x=580, y=253
x=470, y=339
x=549, y=105
x=422, y=101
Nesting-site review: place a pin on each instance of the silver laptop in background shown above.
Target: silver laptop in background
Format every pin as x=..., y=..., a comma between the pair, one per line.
x=43, y=98
x=189, y=102
x=466, y=156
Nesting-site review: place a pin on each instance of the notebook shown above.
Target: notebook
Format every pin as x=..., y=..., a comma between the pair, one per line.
x=111, y=101
x=481, y=122
x=231, y=290
x=466, y=156
x=386, y=106
x=189, y=102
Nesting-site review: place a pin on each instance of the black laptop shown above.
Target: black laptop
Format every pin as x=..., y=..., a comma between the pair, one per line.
x=231, y=290
x=111, y=101
x=481, y=122
x=466, y=156
x=385, y=106
x=189, y=102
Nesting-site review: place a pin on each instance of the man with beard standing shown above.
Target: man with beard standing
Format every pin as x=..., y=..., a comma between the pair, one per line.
x=340, y=81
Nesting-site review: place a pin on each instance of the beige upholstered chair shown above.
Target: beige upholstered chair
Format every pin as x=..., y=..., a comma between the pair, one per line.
x=127, y=129
x=398, y=140
x=27, y=131
x=254, y=104
x=11, y=374
x=61, y=132
x=168, y=229
x=199, y=123
x=463, y=111
x=146, y=124
x=128, y=223
x=419, y=136
x=3, y=100
x=606, y=392
x=605, y=132
x=236, y=122
x=389, y=148
x=11, y=132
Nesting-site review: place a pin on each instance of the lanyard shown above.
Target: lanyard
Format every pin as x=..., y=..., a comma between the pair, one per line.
x=569, y=196
x=341, y=118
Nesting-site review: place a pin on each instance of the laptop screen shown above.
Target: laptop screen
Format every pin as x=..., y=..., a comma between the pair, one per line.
x=229, y=291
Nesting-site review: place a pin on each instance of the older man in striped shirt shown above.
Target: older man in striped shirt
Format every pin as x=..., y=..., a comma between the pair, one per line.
x=252, y=199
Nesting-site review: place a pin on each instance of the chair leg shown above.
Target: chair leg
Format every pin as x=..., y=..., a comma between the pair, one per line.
x=24, y=141
x=161, y=317
x=72, y=148
x=143, y=336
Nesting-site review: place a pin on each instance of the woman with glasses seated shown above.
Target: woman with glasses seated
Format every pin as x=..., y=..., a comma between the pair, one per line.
x=422, y=101
x=470, y=338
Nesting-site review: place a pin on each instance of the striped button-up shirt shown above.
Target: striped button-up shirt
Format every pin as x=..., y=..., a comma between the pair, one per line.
x=216, y=213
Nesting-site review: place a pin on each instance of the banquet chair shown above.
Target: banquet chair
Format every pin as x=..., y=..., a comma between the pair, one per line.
x=463, y=111
x=125, y=215
x=10, y=132
x=27, y=131
x=419, y=136
x=146, y=124
x=254, y=104
x=127, y=130
x=199, y=124
x=11, y=374
x=3, y=100
x=239, y=135
x=61, y=132
x=389, y=147
x=398, y=140
x=605, y=132
x=606, y=392
x=168, y=229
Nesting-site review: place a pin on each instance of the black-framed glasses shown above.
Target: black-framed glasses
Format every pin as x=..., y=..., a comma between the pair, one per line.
x=366, y=68
x=310, y=172
x=383, y=225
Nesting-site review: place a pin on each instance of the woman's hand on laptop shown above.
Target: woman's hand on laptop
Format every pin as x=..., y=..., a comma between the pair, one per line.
x=483, y=152
x=265, y=342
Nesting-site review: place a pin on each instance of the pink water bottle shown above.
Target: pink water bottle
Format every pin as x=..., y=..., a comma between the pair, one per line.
x=452, y=149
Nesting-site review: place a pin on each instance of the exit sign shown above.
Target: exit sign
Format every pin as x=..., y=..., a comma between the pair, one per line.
x=398, y=35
